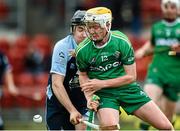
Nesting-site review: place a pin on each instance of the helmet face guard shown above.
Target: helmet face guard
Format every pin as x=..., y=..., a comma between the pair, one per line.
x=99, y=15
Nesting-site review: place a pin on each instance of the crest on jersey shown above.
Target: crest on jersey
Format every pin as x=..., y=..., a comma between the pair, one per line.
x=131, y=59
x=168, y=32
x=117, y=54
x=158, y=32
x=62, y=57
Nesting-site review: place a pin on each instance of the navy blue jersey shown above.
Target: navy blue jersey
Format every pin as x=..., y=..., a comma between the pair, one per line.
x=63, y=63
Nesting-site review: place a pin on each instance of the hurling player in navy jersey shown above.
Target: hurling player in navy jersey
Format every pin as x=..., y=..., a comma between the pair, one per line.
x=65, y=102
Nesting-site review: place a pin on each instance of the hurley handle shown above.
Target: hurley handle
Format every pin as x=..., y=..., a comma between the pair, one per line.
x=91, y=112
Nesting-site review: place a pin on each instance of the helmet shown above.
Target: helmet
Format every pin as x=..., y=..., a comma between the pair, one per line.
x=176, y=2
x=100, y=15
x=78, y=17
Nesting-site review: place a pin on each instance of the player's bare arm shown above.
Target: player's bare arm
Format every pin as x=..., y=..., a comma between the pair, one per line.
x=94, y=85
x=62, y=96
x=146, y=49
x=10, y=83
x=83, y=78
x=176, y=47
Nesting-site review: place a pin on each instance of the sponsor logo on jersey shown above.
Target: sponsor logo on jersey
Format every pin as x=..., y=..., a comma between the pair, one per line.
x=167, y=42
x=106, y=67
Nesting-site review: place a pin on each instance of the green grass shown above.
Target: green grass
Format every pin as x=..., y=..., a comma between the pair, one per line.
x=20, y=125
x=129, y=123
x=126, y=122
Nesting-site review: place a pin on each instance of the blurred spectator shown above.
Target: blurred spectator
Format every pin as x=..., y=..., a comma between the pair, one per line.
x=89, y=3
x=6, y=74
x=38, y=56
x=33, y=60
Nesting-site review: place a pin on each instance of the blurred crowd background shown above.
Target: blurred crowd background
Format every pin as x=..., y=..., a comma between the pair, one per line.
x=30, y=28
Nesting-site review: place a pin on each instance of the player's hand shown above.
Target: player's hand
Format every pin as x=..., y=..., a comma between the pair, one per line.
x=139, y=53
x=92, y=104
x=13, y=91
x=175, y=47
x=92, y=85
x=74, y=117
x=72, y=53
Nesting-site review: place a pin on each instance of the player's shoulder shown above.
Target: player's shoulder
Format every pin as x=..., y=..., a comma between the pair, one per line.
x=163, y=23
x=64, y=42
x=83, y=44
x=120, y=36
x=157, y=23
x=178, y=19
x=118, y=33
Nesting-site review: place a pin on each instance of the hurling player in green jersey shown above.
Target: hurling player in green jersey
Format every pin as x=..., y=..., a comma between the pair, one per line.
x=107, y=68
x=163, y=78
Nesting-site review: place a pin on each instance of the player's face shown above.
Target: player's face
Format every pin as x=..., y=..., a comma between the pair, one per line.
x=170, y=11
x=95, y=31
x=79, y=34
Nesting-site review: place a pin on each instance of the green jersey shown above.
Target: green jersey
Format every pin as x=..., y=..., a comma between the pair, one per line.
x=106, y=62
x=164, y=70
x=164, y=35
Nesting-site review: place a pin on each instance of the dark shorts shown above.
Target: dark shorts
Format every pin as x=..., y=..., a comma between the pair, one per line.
x=57, y=117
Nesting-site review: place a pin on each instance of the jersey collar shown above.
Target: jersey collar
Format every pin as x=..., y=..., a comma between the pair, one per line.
x=170, y=23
